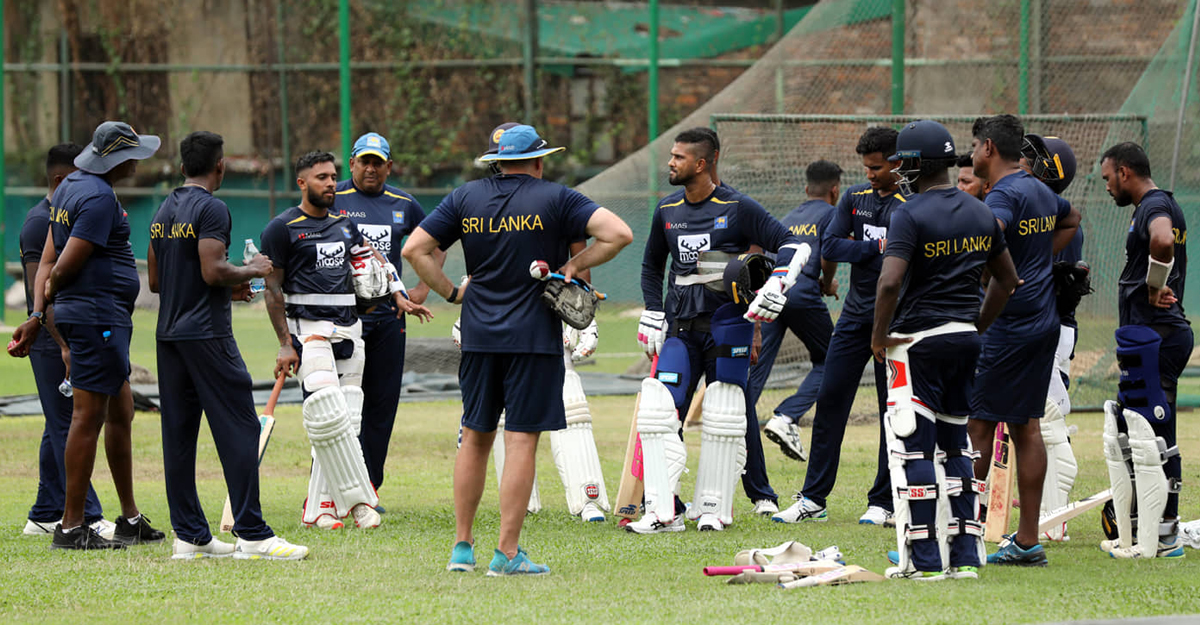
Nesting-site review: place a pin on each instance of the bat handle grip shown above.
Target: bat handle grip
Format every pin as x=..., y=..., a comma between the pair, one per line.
x=712, y=571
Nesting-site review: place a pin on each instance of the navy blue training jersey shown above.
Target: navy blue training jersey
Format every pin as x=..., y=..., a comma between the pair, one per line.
x=85, y=207
x=1134, y=306
x=1030, y=212
x=947, y=237
x=385, y=220
x=314, y=255
x=726, y=221
x=189, y=309
x=859, y=222
x=808, y=222
x=1072, y=253
x=33, y=239
x=505, y=223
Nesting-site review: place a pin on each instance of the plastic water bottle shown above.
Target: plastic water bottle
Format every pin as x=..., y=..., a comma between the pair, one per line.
x=65, y=388
x=257, y=285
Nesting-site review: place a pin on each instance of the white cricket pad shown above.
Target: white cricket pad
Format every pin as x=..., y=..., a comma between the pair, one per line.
x=318, y=502
x=354, y=406
x=722, y=450
x=903, y=492
x=535, y=500
x=317, y=369
x=574, y=450
x=1149, y=452
x=1117, y=457
x=1061, y=467
x=336, y=448
x=663, y=453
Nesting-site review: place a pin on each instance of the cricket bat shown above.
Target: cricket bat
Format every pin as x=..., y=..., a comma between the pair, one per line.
x=629, y=494
x=1001, y=478
x=799, y=569
x=266, y=426
x=1058, y=516
x=843, y=575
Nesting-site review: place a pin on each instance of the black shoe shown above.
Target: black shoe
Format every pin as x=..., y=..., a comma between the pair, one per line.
x=137, y=534
x=82, y=537
x=380, y=510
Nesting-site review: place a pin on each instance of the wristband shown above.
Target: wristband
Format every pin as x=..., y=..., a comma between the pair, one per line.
x=453, y=295
x=1157, y=272
x=40, y=316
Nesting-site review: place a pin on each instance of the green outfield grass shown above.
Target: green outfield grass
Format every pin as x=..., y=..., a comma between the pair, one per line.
x=600, y=574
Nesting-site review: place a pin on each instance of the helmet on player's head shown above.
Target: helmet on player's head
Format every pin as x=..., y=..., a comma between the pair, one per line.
x=922, y=141
x=1051, y=160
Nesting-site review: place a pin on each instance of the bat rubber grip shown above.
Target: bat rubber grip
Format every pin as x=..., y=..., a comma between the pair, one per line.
x=729, y=570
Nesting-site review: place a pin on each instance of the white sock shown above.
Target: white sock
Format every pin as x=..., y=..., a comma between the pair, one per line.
x=134, y=520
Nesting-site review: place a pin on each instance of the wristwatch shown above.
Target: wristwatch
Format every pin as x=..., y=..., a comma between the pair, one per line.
x=40, y=316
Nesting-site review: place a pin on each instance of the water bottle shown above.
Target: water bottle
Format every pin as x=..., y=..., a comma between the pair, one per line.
x=65, y=388
x=257, y=285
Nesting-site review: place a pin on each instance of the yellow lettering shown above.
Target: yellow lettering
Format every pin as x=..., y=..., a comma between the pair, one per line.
x=929, y=250
x=537, y=222
x=1180, y=236
x=156, y=231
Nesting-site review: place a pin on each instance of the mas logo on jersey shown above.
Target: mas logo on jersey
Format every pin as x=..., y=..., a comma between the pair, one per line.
x=379, y=236
x=720, y=222
x=397, y=217
x=331, y=255
x=677, y=226
x=346, y=213
x=690, y=246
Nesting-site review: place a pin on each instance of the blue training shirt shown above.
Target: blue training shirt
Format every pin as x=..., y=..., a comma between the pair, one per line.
x=85, y=207
x=33, y=239
x=947, y=237
x=188, y=307
x=808, y=223
x=384, y=219
x=859, y=222
x=314, y=254
x=1134, y=306
x=726, y=221
x=505, y=223
x=1030, y=212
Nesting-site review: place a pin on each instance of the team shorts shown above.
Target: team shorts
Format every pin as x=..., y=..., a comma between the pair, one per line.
x=99, y=364
x=941, y=368
x=528, y=387
x=1012, y=378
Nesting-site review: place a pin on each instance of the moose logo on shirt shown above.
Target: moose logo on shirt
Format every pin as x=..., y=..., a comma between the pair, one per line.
x=331, y=255
x=379, y=236
x=690, y=246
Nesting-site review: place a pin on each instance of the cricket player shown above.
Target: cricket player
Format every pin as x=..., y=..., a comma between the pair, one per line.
x=384, y=215
x=967, y=181
x=1154, y=343
x=928, y=318
x=312, y=295
x=701, y=328
x=1016, y=359
x=199, y=366
x=805, y=313
x=857, y=235
x=49, y=371
x=89, y=275
x=512, y=348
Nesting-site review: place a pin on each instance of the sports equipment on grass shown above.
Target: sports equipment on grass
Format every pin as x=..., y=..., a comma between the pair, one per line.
x=842, y=575
x=799, y=569
x=266, y=424
x=1117, y=456
x=1059, y=516
x=1000, y=486
x=1061, y=467
x=629, y=493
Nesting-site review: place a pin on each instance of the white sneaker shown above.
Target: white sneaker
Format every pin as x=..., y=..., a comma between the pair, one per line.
x=804, y=509
x=591, y=513
x=184, y=550
x=105, y=528
x=365, y=517
x=781, y=431
x=877, y=515
x=765, y=507
x=325, y=522
x=649, y=524
x=41, y=528
x=273, y=548
x=709, y=522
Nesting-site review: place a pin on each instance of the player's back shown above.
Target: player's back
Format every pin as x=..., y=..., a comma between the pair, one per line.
x=808, y=223
x=1030, y=212
x=947, y=237
x=189, y=308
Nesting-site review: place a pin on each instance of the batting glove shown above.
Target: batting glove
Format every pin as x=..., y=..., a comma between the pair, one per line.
x=586, y=343
x=652, y=331
x=768, y=303
x=456, y=333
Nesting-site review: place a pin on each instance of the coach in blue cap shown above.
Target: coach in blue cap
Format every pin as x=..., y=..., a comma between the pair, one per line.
x=512, y=348
x=93, y=283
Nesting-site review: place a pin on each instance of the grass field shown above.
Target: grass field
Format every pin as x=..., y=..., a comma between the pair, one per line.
x=600, y=574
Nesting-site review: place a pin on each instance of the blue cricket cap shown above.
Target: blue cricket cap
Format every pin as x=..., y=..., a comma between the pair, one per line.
x=520, y=143
x=372, y=143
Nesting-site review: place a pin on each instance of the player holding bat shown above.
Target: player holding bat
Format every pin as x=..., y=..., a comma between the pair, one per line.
x=512, y=348
x=199, y=366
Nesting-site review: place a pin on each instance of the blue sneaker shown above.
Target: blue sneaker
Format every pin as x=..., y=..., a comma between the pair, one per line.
x=1012, y=555
x=462, y=558
x=893, y=557
x=1171, y=549
x=520, y=565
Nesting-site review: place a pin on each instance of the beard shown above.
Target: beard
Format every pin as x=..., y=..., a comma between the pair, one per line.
x=678, y=178
x=316, y=198
x=1123, y=198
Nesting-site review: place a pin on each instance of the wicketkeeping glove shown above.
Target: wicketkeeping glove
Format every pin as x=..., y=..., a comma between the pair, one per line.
x=768, y=303
x=1072, y=281
x=652, y=331
x=585, y=342
x=456, y=333
x=574, y=303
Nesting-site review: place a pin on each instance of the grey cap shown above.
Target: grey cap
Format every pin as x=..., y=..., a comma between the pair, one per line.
x=114, y=143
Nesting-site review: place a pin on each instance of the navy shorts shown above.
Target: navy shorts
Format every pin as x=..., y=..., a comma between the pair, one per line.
x=1012, y=379
x=527, y=386
x=942, y=368
x=99, y=364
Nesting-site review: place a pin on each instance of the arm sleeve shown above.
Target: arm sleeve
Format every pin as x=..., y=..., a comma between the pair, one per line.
x=95, y=219
x=577, y=209
x=654, y=260
x=902, y=236
x=998, y=242
x=214, y=222
x=276, y=243
x=1002, y=206
x=442, y=223
x=834, y=244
